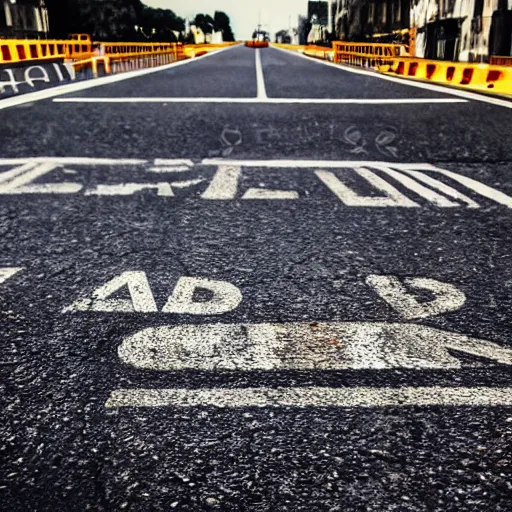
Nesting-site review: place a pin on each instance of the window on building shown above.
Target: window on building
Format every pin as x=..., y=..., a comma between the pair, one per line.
x=371, y=13
x=398, y=16
x=8, y=16
x=383, y=12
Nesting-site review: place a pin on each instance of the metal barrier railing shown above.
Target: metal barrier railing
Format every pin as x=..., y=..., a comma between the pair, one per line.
x=367, y=54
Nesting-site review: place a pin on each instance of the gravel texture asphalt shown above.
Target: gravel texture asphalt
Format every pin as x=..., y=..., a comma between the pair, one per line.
x=302, y=257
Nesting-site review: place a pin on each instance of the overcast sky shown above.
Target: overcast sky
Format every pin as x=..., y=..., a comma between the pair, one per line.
x=243, y=13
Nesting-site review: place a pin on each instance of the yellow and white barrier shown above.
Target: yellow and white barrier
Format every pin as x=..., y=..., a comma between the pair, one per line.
x=479, y=77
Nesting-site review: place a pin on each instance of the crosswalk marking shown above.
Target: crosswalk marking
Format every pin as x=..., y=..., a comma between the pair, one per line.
x=419, y=189
x=394, y=184
x=442, y=187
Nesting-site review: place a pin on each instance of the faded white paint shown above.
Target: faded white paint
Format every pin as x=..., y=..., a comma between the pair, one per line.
x=22, y=179
x=30, y=79
x=442, y=187
x=224, y=297
x=224, y=184
x=312, y=397
x=417, y=188
x=141, y=297
x=479, y=188
x=169, y=169
x=71, y=160
x=303, y=346
x=263, y=193
x=391, y=196
x=173, y=161
x=446, y=296
x=8, y=272
x=129, y=189
x=17, y=171
x=19, y=181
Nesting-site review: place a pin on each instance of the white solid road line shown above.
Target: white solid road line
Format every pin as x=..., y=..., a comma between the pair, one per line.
x=75, y=161
x=420, y=85
x=96, y=82
x=264, y=99
x=309, y=164
x=312, y=397
x=260, y=79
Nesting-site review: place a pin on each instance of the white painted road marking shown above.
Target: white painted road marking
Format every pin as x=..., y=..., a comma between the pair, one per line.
x=446, y=296
x=265, y=100
x=442, y=187
x=392, y=197
x=312, y=397
x=8, y=272
x=479, y=188
x=224, y=297
x=263, y=193
x=303, y=346
x=141, y=297
x=419, y=189
x=18, y=181
x=224, y=184
x=260, y=79
x=24, y=178
x=128, y=189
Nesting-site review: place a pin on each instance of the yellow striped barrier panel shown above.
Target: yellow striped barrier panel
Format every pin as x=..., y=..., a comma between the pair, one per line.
x=21, y=50
x=479, y=77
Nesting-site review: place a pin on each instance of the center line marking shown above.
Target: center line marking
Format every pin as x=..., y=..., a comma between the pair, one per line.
x=260, y=80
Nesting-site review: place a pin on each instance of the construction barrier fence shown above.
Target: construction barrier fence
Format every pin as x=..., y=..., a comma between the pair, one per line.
x=394, y=59
x=480, y=77
x=367, y=54
x=81, y=48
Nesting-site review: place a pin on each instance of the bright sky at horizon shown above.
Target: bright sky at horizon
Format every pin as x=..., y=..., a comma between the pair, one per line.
x=275, y=14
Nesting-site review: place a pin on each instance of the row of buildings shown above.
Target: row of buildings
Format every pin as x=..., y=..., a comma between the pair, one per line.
x=23, y=18
x=465, y=30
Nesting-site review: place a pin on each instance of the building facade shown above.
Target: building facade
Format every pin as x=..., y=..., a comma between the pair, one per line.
x=465, y=30
x=23, y=19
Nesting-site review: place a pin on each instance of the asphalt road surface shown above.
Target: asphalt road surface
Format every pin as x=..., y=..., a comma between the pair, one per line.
x=255, y=282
